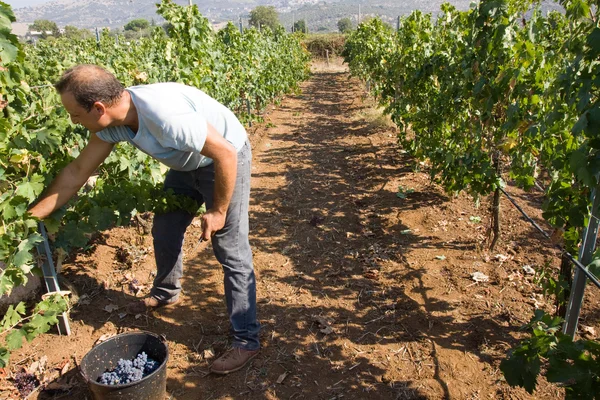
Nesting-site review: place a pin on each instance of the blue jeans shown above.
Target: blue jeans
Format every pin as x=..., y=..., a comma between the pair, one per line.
x=231, y=246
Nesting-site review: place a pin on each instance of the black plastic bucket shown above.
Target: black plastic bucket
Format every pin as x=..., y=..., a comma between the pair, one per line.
x=127, y=346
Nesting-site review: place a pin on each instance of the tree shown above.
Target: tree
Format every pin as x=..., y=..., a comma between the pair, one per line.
x=137, y=25
x=264, y=16
x=72, y=32
x=45, y=26
x=300, y=26
x=345, y=25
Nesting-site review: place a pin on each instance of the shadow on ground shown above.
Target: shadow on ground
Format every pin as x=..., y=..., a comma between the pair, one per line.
x=344, y=313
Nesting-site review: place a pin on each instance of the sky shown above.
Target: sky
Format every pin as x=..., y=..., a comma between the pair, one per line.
x=24, y=3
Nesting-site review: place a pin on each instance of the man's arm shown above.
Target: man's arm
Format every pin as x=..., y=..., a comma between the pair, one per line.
x=224, y=156
x=72, y=177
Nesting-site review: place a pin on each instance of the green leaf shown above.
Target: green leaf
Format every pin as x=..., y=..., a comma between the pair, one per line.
x=13, y=316
x=14, y=340
x=579, y=166
x=577, y=9
x=6, y=11
x=593, y=42
x=39, y=324
x=52, y=225
x=23, y=255
x=4, y=357
x=8, y=52
x=521, y=371
x=594, y=267
x=30, y=190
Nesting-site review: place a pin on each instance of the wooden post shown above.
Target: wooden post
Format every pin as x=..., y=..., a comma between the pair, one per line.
x=327, y=55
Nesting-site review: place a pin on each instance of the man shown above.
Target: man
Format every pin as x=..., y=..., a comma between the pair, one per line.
x=209, y=156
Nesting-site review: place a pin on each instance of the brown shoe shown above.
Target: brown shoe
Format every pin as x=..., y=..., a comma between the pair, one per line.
x=233, y=360
x=148, y=304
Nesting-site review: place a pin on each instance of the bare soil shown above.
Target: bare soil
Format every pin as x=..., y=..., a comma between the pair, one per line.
x=362, y=294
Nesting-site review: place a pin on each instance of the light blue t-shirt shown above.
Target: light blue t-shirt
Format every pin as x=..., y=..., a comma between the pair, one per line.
x=173, y=124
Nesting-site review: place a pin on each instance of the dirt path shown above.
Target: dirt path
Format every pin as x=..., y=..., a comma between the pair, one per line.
x=362, y=294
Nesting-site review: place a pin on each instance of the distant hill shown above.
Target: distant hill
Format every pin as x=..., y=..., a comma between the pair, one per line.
x=319, y=15
x=324, y=16
x=116, y=13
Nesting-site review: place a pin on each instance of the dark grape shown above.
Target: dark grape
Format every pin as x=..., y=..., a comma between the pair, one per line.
x=128, y=371
x=140, y=360
x=26, y=383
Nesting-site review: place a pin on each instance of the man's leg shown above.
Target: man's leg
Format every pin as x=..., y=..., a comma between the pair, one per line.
x=232, y=250
x=168, y=232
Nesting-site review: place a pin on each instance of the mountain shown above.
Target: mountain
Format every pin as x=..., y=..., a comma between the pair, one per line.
x=116, y=13
x=319, y=15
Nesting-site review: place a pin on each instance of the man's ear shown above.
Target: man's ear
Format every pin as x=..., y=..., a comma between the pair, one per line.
x=100, y=108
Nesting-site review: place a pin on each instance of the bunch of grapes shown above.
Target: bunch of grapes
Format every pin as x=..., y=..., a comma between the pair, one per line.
x=128, y=371
x=25, y=383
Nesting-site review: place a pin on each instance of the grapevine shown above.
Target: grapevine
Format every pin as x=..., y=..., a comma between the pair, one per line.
x=37, y=138
x=496, y=93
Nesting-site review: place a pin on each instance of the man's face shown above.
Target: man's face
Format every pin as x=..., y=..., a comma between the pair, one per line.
x=92, y=119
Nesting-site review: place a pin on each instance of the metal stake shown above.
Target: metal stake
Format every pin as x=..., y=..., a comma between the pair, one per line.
x=588, y=246
x=50, y=277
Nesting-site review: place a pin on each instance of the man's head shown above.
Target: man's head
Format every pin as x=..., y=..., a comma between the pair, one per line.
x=86, y=92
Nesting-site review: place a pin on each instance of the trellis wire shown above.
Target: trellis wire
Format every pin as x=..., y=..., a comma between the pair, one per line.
x=579, y=265
x=585, y=255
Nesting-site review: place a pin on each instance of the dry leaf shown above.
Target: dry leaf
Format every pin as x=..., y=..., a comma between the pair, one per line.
x=65, y=367
x=84, y=300
x=111, y=307
x=61, y=292
x=480, y=277
x=207, y=354
x=104, y=337
x=588, y=331
x=501, y=257
x=282, y=377
x=372, y=274
x=326, y=330
x=528, y=270
x=324, y=326
x=142, y=76
x=557, y=236
x=38, y=367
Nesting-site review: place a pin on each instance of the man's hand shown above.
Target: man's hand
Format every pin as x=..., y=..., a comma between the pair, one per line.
x=212, y=221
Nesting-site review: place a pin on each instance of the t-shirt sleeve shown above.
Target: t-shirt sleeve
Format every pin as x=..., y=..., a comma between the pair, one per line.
x=186, y=132
x=115, y=134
